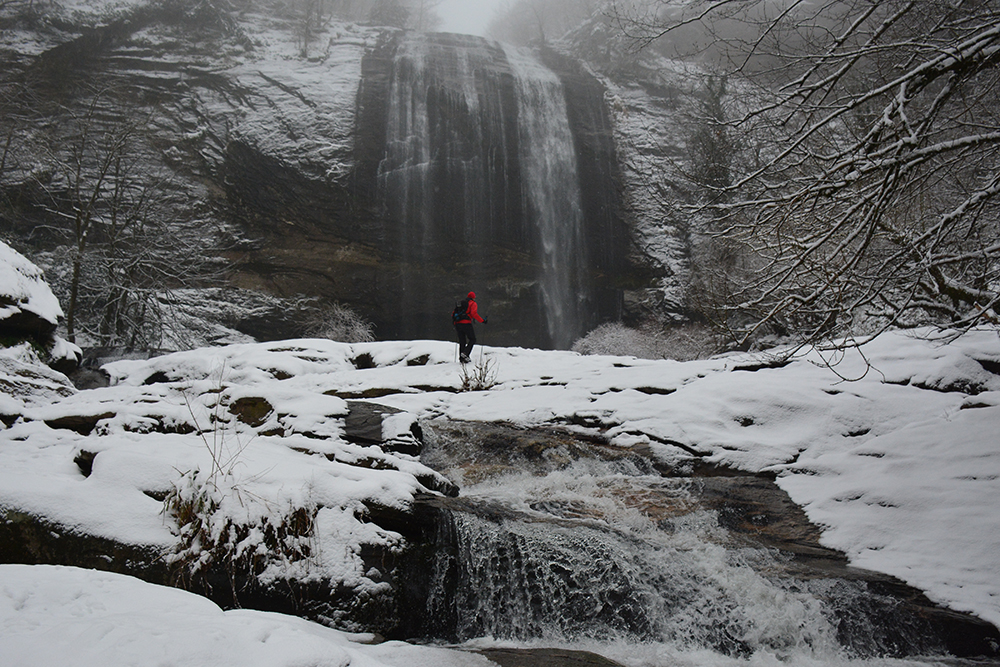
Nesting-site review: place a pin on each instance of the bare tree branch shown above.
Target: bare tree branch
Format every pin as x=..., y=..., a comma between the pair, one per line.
x=875, y=199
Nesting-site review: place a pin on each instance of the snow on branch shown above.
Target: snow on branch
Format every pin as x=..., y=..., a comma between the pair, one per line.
x=866, y=196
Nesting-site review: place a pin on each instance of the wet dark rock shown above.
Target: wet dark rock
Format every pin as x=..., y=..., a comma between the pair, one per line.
x=251, y=410
x=990, y=365
x=363, y=361
x=84, y=460
x=545, y=657
x=656, y=390
x=159, y=377
x=435, y=387
x=363, y=423
x=434, y=483
x=82, y=424
x=29, y=539
x=753, y=367
x=89, y=378
x=66, y=365
x=373, y=392
x=430, y=557
x=24, y=323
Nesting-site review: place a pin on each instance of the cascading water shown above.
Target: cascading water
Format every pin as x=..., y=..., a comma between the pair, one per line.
x=609, y=555
x=533, y=580
x=445, y=179
x=480, y=184
x=552, y=193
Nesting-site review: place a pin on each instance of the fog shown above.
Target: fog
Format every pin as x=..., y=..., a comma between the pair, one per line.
x=468, y=17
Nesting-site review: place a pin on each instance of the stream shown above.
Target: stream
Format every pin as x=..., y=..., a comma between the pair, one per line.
x=560, y=540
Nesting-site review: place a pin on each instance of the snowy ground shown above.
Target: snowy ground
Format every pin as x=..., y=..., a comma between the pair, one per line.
x=901, y=467
x=68, y=616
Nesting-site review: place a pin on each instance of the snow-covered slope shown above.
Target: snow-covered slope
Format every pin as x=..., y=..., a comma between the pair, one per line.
x=900, y=467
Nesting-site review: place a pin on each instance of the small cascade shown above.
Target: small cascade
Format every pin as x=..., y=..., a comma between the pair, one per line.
x=566, y=543
x=534, y=579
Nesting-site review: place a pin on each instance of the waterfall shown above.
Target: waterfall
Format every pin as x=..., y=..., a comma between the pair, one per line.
x=445, y=180
x=603, y=572
x=446, y=121
x=480, y=184
x=552, y=193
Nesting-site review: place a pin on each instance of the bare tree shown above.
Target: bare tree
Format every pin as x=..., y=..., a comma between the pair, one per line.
x=424, y=15
x=389, y=13
x=711, y=148
x=11, y=126
x=124, y=254
x=17, y=6
x=312, y=16
x=526, y=21
x=138, y=259
x=336, y=321
x=872, y=201
x=90, y=171
x=19, y=115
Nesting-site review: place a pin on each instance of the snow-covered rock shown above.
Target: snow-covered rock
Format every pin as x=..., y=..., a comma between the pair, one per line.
x=29, y=315
x=27, y=304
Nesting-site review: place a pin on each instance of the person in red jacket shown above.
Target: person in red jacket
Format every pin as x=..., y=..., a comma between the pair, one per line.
x=463, y=327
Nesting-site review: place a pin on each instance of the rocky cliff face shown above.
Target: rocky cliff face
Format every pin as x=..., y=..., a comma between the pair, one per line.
x=391, y=172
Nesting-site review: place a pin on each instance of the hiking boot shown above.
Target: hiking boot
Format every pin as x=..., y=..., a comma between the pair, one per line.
x=464, y=358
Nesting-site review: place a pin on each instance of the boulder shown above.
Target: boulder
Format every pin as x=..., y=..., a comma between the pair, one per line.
x=28, y=308
x=30, y=313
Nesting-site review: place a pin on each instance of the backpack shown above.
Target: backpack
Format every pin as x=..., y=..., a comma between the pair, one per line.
x=461, y=311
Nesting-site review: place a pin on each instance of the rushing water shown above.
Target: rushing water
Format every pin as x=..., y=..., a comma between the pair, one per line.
x=604, y=553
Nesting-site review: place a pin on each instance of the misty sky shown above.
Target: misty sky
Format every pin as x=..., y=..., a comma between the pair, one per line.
x=467, y=16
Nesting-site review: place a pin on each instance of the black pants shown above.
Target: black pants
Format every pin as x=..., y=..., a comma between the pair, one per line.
x=466, y=338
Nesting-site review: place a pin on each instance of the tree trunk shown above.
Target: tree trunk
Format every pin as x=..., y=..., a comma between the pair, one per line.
x=74, y=291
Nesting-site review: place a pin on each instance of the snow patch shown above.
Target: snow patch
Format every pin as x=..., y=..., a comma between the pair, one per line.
x=23, y=288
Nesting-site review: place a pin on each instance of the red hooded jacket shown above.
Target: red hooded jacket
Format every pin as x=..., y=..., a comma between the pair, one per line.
x=473, y=311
